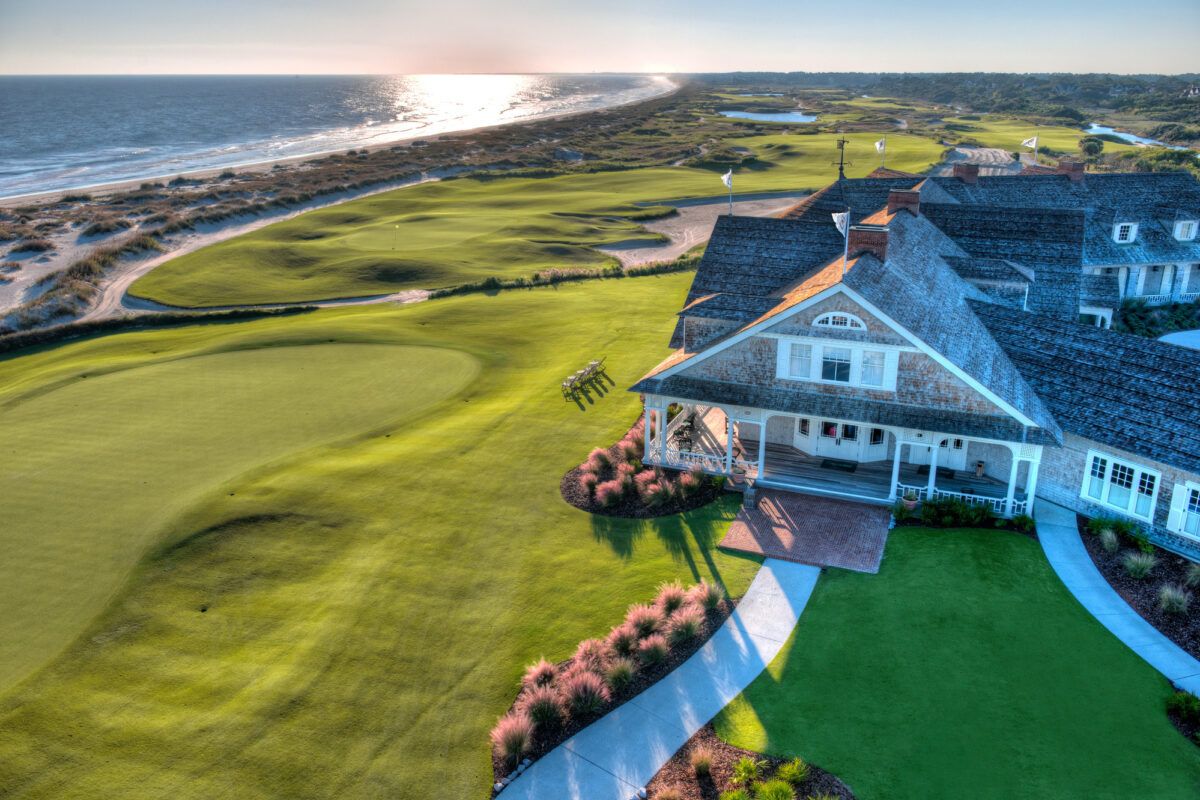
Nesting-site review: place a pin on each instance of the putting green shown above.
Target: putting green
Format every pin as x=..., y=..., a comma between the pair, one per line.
x=97, y=465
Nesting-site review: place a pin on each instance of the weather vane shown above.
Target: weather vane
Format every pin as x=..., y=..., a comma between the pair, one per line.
x=841, y=162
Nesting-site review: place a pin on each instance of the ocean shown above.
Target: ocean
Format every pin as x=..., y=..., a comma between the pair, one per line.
x=73, y=132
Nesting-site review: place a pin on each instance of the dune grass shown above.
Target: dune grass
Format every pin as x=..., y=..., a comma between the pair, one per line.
x=321, y=615
x=459, y=231
x=964, y=669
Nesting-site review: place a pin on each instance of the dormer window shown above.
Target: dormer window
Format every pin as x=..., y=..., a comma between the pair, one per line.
x=846, y=322
x=1185, y=230
x=1124, y=232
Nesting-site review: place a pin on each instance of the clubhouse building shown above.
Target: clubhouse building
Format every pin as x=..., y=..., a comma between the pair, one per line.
x=961, y=350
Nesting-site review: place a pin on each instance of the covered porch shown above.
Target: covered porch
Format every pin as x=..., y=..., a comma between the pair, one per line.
x=840, y=458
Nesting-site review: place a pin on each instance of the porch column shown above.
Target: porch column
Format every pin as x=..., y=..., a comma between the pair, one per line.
x=1012, y=483
x=647, y=443
x=895, y=467
x=662, y=436
x=728, y=445
x=762, y=449
x=1031, y=486
x=933, y=457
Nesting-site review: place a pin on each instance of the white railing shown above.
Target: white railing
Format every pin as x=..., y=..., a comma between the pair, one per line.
x=1154, y=299
x=996, y=503
x=686, y=459
x=1189, y=297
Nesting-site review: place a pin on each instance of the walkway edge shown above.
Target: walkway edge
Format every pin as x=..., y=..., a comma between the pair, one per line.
x=620, y=752
x=1059, y=536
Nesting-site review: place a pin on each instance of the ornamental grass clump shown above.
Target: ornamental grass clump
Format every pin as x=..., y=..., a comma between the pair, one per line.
x=746, y=771
x=701, y=760
x=585, y=693
x=643, y=481
x=1192, y=579
x=629, y=450
x=544, y=707
x=1109, y=540
x=619, y=673
x=794, y=772
x=653, y=649
x=588, y=482
x=1139, y=565
x=513, y=736
x=609, y=493
x=684, y=625
x=539, y=673
x=774, y=790
x=598, y=460
x=643, y=618
x=1174, y=599
x=736, y=794
x=658, y=494
x=591, y=653
x=689, y=484
x=670, y=598
x=706, y=595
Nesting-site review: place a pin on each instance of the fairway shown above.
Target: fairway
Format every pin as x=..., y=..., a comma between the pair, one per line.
x=1007, y=134
x=459, y=231
x=343, y=620
x=964, y=669
x=97, y=464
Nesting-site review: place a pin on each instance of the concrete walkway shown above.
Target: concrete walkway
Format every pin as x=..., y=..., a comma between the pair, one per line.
x=620, y=752
x=1060, y=540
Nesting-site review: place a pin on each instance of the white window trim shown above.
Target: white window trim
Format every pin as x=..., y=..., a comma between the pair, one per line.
x=1180, y=494
x=891, y=362
x=1179, y=228
x=1138, y=471
x=1133, y=232
x=823, y=321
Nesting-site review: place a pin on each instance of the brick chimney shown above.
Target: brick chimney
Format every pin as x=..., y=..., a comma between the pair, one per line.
x=908, y=199
x=967, y=173
x=1071, y=168
x=871, y=239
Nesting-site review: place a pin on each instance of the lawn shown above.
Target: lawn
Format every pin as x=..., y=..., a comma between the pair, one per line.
x=964, y=669
x=458, y=231
x=1007, y=133
x=309, y=557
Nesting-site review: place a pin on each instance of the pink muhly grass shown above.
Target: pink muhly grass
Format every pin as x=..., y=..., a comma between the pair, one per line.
x=706, y=595
x=643, y=618
x=609, y=493
x=629, y=450
x=585, y=693
x=684, y=624
x=598, y=460
x=591, y=653
x=623, y=639
x=588, y=482
x=671, y=597
x=543, y=706
x=539, y=673
x=513, y=736
x=657, y=494
x=689, y=484
x=644, y=480
x=653, y=649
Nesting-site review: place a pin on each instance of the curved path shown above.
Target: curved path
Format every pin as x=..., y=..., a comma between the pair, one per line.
x=1183, y=339
x=619, y=753
x=1059, y=536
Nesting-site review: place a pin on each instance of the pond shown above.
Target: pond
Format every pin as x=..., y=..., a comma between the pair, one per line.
x=773, y=116
x=1132, y=138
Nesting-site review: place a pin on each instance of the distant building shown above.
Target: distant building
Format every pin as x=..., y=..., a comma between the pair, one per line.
x=947, y=357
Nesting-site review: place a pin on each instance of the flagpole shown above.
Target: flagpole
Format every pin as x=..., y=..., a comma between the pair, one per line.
x=883, y=155
x=731, y=198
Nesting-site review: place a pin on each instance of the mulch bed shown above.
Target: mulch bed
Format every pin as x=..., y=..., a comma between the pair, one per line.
x=1188, y=727
x=1182, y=629
x=545, y=741
x=677, y=774
x=632, y=507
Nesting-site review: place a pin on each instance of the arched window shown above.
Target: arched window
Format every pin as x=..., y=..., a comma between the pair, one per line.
x=838, y=319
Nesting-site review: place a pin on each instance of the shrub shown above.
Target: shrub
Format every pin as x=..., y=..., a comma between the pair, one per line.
x=643, y=481
x=1024, y=523
x=623, y=639
x=774, y=790
x=513, y=736
x=644, y=619
x=543, y=706
x=1174, y=599
x=668, y=794
x=598, y=460
x=684, y=624
x=1139, y=565
x=1109, y=540
x=591, y=653
x=34, y=246
x=619, y=673
x=1142, y=542
x=794, y=772
x=1193, y=575
x=735, y=794
x=706, y=595
x=658, y=494
x=540, y=673
x=653, y=649
x=588, y=482
x=689, y=483
x=1186, y=705
x=746, y=771
x=701, y=761
x=609, y=493
x=585, y=693
x=671, y=597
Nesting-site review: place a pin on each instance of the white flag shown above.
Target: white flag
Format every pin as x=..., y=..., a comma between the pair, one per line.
x=881, y=145
x=1030, y=142
x=842, y=221
x=727, y=179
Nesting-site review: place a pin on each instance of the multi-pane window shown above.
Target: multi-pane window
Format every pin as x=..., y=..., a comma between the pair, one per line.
x=876, y=435
x=843, y=321
x=803, y=426
x=829, y=429
x=1124, y=232
x=872, y=368
x=1191, y=516
x=850, y=433
x=801, y=364
x=835, y=364
x=1185, y=230
x=1121, y=485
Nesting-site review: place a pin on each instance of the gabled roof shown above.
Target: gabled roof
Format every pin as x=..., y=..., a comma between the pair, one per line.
x=862, y=195
x=1131, y=393
x=998, y=270
x=1103, y=291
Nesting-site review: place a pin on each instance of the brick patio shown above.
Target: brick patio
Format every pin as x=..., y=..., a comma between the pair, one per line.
x=812, y=530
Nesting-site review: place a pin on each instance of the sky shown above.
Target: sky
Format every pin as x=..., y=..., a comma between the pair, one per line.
x=438, y=36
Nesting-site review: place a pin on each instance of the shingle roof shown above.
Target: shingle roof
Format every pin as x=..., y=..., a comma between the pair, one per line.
x=1103, y=291
x=1131, y=393
x=974, y=268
